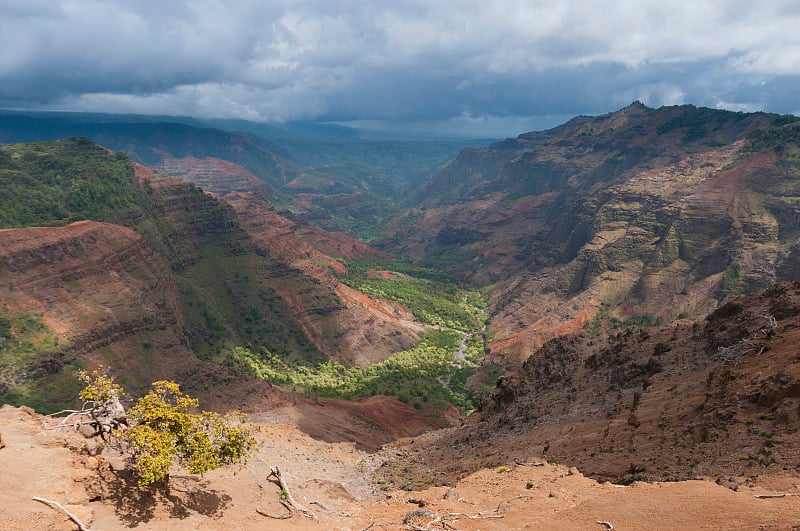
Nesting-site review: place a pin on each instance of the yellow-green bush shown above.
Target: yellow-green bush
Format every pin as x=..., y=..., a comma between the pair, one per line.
x=166, y=428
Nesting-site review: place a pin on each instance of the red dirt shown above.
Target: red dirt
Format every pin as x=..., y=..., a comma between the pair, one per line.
x=58, y=465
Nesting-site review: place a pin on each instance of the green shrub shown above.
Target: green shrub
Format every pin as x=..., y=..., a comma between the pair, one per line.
x=166, y=428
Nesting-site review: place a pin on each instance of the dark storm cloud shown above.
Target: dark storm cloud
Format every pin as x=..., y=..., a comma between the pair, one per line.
x=407, y=60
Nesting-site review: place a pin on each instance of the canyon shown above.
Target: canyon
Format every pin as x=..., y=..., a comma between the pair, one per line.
x=638, y=270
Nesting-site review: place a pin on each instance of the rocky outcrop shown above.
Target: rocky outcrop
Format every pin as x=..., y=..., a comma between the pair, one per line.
x=714, y=398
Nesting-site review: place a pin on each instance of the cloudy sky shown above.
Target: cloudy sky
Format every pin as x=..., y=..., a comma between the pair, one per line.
x=497, y=66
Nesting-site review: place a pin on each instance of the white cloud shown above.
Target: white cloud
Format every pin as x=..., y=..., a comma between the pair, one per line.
x=361, y=59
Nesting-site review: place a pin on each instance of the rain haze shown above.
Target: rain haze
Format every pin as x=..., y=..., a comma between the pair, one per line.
x=453, y=67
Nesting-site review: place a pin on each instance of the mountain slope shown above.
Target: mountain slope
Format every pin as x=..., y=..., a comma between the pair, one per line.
x=100, y=294
x=717, y=398
x=351, y=327
x=204, y=284
x=642, y=212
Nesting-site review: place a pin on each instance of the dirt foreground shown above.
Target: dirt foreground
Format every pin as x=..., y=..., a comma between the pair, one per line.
x=335, y=482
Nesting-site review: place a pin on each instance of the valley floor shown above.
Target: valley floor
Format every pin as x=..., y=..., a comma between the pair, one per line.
x=336, y=482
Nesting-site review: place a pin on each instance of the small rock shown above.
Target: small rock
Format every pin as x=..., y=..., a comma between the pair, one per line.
x=529, y=485
x=451, y=494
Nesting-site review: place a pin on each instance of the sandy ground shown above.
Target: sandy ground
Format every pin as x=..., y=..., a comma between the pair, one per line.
x=335, y=481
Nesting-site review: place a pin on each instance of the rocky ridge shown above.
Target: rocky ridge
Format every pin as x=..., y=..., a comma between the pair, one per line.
x=642, y=212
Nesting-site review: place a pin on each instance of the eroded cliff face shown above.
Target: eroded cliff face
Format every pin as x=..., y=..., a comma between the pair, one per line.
x=109, y=299
x=213, y=174
x=644, y=213
x=343, y=323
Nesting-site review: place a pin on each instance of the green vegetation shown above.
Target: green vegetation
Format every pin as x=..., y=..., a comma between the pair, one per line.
x=785, y=132
x=428, y=295
x=54, y=183
x=225, y=304
x=418, y=375
x=29, y=348
x=636, y=321
x=595, y=326
x=699, y=122
x=639, y=320
x=731, y=280
x=166, y=428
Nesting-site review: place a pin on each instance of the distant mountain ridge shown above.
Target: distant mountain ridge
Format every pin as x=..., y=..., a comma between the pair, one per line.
x=333, y=179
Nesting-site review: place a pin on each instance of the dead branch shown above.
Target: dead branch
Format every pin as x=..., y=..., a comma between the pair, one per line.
x=608, y=525
x=772, y=325
x=56, y=505
x=444, y=520
x=287, y=494
x=479, y=516
x=104, y=417
x=408, y=519
x=329, y=510
x=534, y=463
x=274, y=516
x=782, y=495
x=65, y=422
x=517, y=497
x=375, y=524
x=740, y=348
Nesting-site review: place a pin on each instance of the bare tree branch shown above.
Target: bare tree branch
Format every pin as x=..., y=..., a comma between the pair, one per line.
x=285, y=492
x=329, y=510
x=276, y=517
x=375, y=524
x=56, y=505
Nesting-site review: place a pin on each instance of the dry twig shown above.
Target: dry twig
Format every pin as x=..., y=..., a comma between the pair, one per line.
x=287, y=494
x=782, y=495
x=517, y=497
x=274, y=516
x=608, y=525
x=56, y=505
x=329, y=510
x=375, y=524
x=534, y=463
